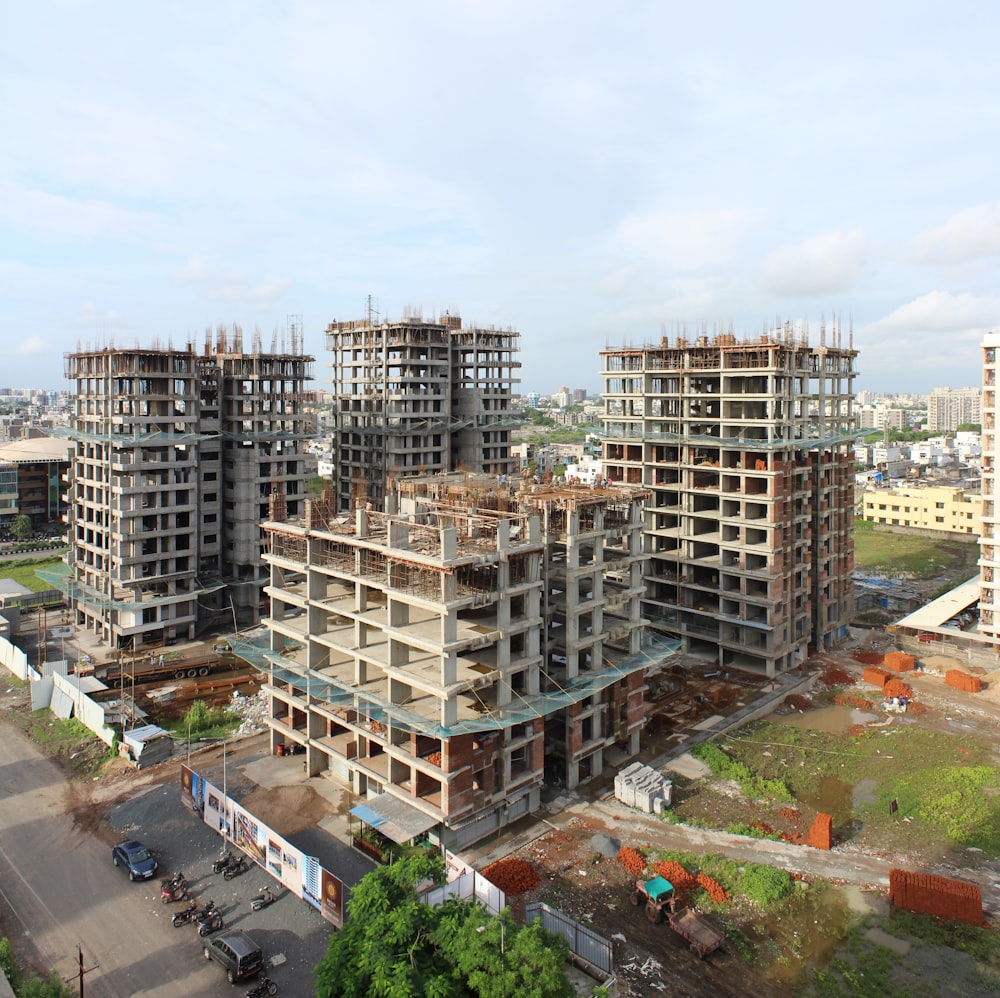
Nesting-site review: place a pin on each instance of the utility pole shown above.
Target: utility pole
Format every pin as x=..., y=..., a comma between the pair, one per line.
x=81, y=969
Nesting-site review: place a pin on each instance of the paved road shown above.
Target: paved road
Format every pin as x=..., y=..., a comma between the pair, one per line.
x=57, y=879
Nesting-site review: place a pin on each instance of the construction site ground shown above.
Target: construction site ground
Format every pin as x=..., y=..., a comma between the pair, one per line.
x=781, y=949
x=784, y=946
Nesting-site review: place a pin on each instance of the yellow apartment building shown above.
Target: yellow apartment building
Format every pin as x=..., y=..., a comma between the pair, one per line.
x=938, y=507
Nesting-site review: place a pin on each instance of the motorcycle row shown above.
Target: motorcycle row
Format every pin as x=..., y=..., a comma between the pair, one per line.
x=209, y=917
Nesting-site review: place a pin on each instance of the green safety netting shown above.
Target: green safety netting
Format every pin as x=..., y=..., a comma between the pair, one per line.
x=340, y=695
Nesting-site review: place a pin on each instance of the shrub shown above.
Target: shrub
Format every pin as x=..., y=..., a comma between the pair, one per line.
x=742, y=828
x=765, y=885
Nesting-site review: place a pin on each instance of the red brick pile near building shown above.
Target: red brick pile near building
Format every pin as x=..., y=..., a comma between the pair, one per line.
x=962, y=681
x=867, y=657
x=896, y=661
x=876, y=676
x=939, y=896
x=895, y=688
x=821, y=833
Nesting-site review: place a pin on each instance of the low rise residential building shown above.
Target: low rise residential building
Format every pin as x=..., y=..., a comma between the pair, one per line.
x=31, y=472
x=953, y=510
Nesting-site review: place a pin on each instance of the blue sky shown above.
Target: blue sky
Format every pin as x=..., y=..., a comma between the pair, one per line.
x=587, y=173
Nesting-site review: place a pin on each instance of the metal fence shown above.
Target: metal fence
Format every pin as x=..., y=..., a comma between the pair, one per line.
x=585, y=944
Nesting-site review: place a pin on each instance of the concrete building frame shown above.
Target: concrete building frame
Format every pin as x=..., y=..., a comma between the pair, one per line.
x=416, y=397
x=746, y=447
x=176, y=456
x=463, y=647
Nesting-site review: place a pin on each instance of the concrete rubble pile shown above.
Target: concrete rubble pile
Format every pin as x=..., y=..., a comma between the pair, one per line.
x=644, y=788
x=252, y=711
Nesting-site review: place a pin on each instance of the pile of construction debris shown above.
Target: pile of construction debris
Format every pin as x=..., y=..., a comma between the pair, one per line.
x=251, y=710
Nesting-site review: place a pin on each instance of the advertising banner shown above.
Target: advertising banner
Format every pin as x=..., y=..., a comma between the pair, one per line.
x=333, y=899
x=248, y=834
x=296, y=870
x=193, y=791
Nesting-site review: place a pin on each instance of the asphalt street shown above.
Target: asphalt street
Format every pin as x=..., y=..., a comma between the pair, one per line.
x=62, y=891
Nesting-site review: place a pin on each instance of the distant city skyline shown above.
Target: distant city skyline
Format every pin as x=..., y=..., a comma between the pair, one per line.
x=587, y=176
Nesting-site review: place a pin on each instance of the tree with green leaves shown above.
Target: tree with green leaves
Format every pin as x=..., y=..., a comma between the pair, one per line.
x=395, y=946
x=21, y=527
x=31, y=985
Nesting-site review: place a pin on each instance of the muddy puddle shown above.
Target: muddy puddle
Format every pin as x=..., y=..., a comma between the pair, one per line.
x=830, y=719
x=813, y=927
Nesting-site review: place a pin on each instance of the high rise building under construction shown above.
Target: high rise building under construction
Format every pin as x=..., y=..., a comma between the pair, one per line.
x=414, y=397
x=177, y=453
x=746, y=448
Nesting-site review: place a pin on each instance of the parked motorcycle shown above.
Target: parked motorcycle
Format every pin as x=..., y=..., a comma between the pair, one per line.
x=240, y=865
x=225, y=860
x=262, y=900
x=173, y=890
x=190, y=914
x=210, y=920
x=265, y=986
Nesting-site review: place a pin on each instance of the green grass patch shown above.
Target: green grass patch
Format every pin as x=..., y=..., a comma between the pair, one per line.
x=945, y=959
x=47, y=729
x=22, y=571
x=956, y=801
x=912, y=554
x=983, y=944
x=765, y=885
x=66, y=739
x=750, y=783
x=751, y=831
x=953, y=806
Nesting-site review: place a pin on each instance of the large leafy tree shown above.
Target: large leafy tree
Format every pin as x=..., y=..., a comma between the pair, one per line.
x=21, y=527
x=394, y=946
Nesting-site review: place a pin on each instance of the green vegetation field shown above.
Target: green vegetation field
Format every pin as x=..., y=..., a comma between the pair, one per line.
x=947, y=788
x=913, y=555
x=23, y=570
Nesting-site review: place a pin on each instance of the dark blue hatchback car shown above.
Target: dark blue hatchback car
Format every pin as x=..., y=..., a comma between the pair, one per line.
x=134, y=857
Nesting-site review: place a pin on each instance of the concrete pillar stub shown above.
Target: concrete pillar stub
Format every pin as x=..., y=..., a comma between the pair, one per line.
x=449, y=543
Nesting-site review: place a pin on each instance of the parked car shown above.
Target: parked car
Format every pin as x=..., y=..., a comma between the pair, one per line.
x=135, y=858
x=238, y=953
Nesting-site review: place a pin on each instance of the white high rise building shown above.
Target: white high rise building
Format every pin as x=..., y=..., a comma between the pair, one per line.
x=989, y=559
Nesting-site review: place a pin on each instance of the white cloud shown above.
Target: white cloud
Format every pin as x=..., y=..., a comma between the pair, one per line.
x=217, y=285
x=194, y=270
x=938, y=333
x=942, y=312
x=100, y=319
x=967, y=235
x=32, y=347
x=831, y=263
x=60, y=216
x=254, y=296
x=682, y=240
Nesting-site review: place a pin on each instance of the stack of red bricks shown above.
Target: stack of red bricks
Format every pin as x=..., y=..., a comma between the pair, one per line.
x=895, y=688
x=821, y=833
x=897, y=661
x=876, y=676
x=938, y=896
x=962, y=681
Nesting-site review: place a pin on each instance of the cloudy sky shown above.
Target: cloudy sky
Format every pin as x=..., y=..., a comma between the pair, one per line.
x=587, y=173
